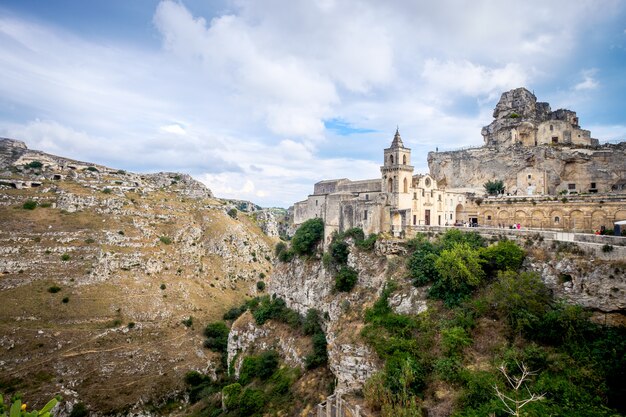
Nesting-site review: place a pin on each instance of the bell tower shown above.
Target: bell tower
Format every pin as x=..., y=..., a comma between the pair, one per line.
x=397, y=173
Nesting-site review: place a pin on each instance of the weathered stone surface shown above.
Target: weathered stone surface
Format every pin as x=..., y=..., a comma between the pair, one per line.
x=248, y=338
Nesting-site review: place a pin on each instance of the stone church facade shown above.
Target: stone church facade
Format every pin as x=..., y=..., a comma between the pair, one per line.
x=392, y=203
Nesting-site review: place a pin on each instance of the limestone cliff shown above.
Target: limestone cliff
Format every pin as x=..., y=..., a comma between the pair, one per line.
x=99, y=270
x=534, y=151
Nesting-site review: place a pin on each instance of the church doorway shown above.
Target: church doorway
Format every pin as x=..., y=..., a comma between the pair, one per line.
x=427, y=217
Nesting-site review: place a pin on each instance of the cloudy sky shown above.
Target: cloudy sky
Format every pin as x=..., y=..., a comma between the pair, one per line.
x=259, y=99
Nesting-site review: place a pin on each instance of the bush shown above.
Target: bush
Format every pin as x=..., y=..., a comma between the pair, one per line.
x=29, y=205
x=217, y=336
x=54, y=289
x=165, y=240
x=521, y=299
x=494, y=187
x=346, y=279
x=65, y=257
x=230, y=396
x=260, y=285
x=163, y=286
x=319, y=357
x=368, y=244
x=251, y=402
x=235, y=312
x=107, y=191
x=275, y=309
x=261, y=366
x=504, y=255
x=339, y=252
x=232, y=213
x=307, y=236
x=65, y=300
x=34, y=164
x=79, y=410
x=92, y=169
x=421, y=263
x=460, y=271
x=607, y=248
x=188, y=322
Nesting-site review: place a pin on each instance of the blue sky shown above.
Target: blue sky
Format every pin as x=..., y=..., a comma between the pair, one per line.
x=259, y=99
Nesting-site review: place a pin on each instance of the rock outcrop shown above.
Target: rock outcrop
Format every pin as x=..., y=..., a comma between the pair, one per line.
x=98, y=278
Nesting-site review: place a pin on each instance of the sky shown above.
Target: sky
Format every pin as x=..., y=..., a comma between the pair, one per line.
x=260, y=99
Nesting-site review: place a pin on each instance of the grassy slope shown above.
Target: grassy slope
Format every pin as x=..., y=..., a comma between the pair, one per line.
x=84, y=348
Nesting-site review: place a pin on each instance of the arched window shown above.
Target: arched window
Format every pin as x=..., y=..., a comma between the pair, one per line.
x=404, y=160
x=390, y=185
x=406, y=186
x=557, y=220
x=391, y=159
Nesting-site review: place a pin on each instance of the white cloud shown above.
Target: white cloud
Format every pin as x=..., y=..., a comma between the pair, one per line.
x=239, y=98
x=589, y=82
x=175, y=129
x=471, y=79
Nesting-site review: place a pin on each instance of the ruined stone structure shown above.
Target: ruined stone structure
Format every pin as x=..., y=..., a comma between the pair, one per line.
x=520, y=119
x=392, y=203
x=534, y=151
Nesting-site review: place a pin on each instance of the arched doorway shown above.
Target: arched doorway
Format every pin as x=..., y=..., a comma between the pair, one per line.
x=460, y=213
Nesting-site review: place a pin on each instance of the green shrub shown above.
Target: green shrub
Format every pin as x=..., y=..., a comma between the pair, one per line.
x=262, y=275
x=251, y=402
x=307, y=236
x=92, y=169
x=163, y=286
x=54, y=289
x=454, y=340
x=504, y=255
x=235, y=312
x=165, y=240
x=346, y=279
x=460, y=272
x=520, y=299
x=494, y=187
x=260, y=285
x=339, y=252
x=188, y=322
x=232, y=213
x=131, y=325
x=89, y=240
x=319, y=356
x=34, y=164
x=65, y=300
x=369, y=243
x=286, y=256
x=216, y=334
x=65, y=257
x=29, y=205
x=607, y=248
x=261, y=366
x=421, y=263
x=45, y=204
x=79, y=410
x=279, y=248
x=107, y=191
x=276, y=309
x=231, y=395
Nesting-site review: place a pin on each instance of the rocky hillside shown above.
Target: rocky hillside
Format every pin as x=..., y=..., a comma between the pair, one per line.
x=108, y=278
x=472, y=168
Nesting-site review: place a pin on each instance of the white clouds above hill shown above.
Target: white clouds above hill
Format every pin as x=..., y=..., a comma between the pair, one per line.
x=241, y=97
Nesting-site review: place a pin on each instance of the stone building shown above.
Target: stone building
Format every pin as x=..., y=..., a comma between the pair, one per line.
x=520, y=119
x=535, y=152
x=392, y=203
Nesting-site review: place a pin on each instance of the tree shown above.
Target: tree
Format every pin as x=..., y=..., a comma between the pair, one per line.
x=504, y=255
x=307, y=236
x=513, y=406
x=494, y=187
x=460, y=271
x=217, y=336
x=522, y=299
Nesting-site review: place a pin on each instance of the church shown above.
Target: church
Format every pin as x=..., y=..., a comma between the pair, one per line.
x=393, y=203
